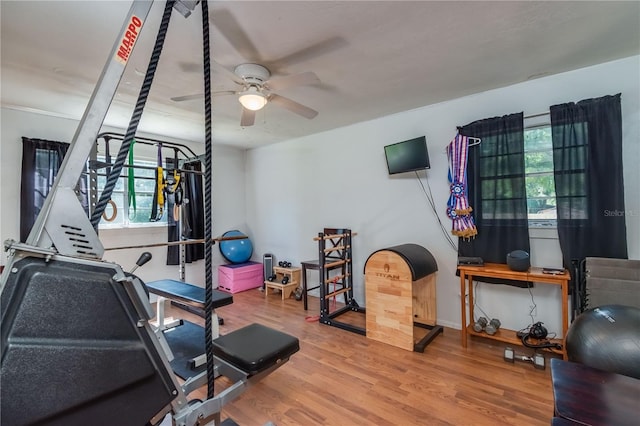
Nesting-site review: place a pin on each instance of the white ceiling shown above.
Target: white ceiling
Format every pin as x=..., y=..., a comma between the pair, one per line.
x=373, y=58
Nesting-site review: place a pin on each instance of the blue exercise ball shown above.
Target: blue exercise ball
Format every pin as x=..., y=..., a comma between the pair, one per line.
x=236, y=251
x=607, y=338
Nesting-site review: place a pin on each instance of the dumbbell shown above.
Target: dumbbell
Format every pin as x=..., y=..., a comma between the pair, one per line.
x=537, y=359
x=272, y=277
x=490, y=327
x=480, y=324
x=285, y=279
x=284, y=264
x=493, y=326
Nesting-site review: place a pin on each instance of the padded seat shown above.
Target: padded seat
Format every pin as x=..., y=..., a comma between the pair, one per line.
x=188, y=294
x=255, y=348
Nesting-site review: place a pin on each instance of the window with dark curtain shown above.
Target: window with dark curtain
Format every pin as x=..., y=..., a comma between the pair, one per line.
x=496, y=189
x=192, y=211
x=587, y=157
x=41, y=160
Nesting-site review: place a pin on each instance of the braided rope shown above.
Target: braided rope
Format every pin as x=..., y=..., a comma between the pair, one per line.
x=113, y=177
x=208, y=299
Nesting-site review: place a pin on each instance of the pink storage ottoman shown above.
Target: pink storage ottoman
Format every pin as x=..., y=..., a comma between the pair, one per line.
x=240, y=277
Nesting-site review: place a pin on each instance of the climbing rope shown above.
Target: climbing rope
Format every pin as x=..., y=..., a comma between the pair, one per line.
x=114, y=175
x=208, y=298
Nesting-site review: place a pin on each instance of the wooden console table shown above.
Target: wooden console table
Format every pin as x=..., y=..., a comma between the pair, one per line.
x=497, y=270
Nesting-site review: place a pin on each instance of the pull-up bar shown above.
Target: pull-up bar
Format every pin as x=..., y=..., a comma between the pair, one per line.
x=179, y=243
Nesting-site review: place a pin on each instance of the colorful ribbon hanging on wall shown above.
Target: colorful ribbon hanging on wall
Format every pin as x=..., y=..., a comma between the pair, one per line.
x=458, y=208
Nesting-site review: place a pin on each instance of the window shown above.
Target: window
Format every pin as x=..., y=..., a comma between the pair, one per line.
x=539, y=179
x=144, y=187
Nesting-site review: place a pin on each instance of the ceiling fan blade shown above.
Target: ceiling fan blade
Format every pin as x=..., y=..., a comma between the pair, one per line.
x=201, y=95
x=187, y=97
x=191, y=67
x=293, y=106
x=228, y=73
x=309, y=52
x=229, y=27
x=302, y=79
x=248, y=117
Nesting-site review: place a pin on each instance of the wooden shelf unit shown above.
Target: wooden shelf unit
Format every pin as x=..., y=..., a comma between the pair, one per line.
x=496, y=270
x=509, y=336
x=288, y=288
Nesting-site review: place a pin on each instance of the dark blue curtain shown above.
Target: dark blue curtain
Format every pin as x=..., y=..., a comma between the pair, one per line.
x=192, y=226
x=587, y=157
x=496, y=189
x=41, y=160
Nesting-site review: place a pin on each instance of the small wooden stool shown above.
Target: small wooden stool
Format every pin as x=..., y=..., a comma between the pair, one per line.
x=287, y=289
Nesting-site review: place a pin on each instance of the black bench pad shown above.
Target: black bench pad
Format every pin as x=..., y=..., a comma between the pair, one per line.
x=188, y=294
x=255, y=348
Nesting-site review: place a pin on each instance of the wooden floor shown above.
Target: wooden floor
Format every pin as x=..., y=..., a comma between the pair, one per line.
x=342, y=378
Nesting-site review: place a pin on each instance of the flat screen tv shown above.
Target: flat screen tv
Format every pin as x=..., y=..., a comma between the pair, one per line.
x=407, y=156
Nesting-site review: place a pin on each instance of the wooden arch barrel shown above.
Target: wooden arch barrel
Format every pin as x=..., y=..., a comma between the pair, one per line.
x=400, y=293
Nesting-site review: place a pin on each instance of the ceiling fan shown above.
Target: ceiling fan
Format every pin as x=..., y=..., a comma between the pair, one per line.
x=258, y=89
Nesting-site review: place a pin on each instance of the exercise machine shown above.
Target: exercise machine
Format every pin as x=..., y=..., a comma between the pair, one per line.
x=77, y=346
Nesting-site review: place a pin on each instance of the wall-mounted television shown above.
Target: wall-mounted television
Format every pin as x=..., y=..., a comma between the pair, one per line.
x=407, y=156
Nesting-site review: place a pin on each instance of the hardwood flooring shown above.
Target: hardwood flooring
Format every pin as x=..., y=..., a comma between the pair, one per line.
x=342, y=378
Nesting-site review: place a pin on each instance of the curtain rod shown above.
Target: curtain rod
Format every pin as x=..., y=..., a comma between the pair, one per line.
x=540, y=114
x=537, y=115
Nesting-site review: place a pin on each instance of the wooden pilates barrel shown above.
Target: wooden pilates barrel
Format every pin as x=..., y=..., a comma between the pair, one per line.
x=400, y=289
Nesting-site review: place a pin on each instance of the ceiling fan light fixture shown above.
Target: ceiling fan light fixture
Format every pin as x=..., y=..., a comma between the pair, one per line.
x=252, y=99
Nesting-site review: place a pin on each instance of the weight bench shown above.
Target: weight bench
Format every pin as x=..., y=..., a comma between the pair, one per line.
x=188, y=295
x=244, y=356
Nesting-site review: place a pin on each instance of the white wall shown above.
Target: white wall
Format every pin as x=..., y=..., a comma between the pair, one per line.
x=339, y=179
x=228, y=186
x=283, y=195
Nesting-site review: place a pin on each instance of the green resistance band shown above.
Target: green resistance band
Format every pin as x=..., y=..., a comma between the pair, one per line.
x=131, y=183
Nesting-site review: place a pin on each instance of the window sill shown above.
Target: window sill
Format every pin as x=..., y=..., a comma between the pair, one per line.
x=543, y=233
x=108, y=226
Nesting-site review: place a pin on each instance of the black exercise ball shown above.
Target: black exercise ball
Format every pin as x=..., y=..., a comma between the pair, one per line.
x=607, y=338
